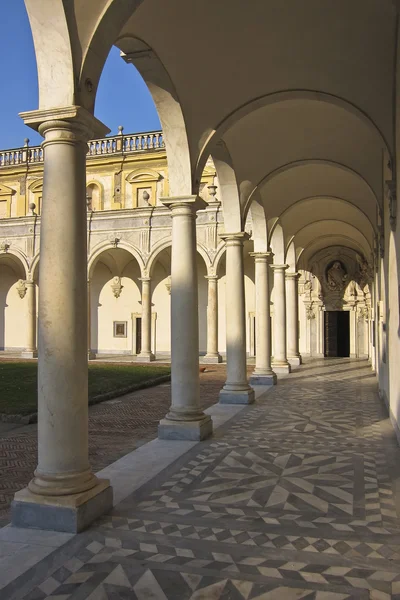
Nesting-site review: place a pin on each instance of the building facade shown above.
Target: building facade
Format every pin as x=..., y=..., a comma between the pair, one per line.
x=129, y=264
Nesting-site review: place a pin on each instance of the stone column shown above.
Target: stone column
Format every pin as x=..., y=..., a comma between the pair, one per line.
x=146, y=354
x=292, y=318
x=236, y=389
x=30, y=350
x=263, y=373
x=280, y=363
x=91, y=354
x=64, y=494
x=212, y=355
x=185, y=420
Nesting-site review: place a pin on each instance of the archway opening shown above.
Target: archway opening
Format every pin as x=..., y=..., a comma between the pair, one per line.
x=337, y=334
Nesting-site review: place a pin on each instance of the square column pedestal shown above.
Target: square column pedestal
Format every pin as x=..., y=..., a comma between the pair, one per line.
x=71, y=514
x=193, y=431
x=294, y=361
x=29, y=354
x=236, y=396
x=270, y=379
x=284, y=369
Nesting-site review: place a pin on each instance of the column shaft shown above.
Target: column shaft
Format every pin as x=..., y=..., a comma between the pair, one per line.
x=236, y=389
x=263, y=373
x=91, y=355
x=64, y=493
x=212, y=355
x=146, y=354
x=184, y=420
x=30, y=350
x=292, y=318
x=280, y=363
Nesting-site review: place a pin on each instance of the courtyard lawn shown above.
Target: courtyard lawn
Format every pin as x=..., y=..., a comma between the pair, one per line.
x=18, y=383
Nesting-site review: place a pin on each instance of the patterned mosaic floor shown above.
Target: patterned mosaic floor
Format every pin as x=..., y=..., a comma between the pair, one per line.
x=293, y=498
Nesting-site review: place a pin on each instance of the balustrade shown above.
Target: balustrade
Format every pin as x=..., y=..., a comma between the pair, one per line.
x=117, y=144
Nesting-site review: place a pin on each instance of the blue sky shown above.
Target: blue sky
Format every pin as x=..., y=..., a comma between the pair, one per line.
x=122, y=97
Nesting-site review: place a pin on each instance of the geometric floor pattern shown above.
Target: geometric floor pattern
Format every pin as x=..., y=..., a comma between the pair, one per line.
x=293, y=498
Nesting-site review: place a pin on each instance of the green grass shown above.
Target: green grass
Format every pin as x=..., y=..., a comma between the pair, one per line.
x=18, y=382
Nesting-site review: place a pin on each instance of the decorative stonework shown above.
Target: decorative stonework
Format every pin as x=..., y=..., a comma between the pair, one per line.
x=4, y=246
x=336, y=276
x=21, y=288
x=116, y=286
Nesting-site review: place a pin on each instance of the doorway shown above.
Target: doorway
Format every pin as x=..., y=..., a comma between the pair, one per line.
x=138, y=335
x=337, y=333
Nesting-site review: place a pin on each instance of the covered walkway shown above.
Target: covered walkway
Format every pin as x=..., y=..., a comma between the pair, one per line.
x=293, y=497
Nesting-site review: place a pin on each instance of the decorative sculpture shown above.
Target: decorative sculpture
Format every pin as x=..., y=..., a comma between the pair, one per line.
x=336, y=276
x=116, y=286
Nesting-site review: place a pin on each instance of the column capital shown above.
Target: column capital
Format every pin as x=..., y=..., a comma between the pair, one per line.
x=72, y=121
x=234, y=239
x=211, y=277
x=279, y=267
x=263, y=257
x=145, y=279
x=29, y=282
x=184, y=204
x=291, y=275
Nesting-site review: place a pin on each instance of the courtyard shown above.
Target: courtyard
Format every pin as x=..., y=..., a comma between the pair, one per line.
x=293, y=497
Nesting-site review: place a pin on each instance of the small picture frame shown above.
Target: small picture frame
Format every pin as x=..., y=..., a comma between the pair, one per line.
x=120, y=329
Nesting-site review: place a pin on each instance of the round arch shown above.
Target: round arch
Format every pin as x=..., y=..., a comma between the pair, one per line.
x=212, y=136
x=102, y=247
x=163, y=245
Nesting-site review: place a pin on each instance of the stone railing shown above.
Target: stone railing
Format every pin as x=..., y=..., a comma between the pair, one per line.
x=117, y=144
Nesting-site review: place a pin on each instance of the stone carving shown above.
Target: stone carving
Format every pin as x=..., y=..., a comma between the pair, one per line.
x=115, y=240
x=116, y=286
x=4, y=246
x=168, y=285
x=365, y=275
x=336, y=276
x=21, y=288
x=310, y=312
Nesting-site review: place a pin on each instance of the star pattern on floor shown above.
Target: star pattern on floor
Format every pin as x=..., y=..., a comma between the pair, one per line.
x=293, y=498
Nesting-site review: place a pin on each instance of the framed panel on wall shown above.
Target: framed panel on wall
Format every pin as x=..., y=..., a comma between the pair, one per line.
x=120, y=329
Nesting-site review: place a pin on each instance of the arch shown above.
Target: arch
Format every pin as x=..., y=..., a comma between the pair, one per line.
x=277, y=242
x=18, y=256
x=212, y=136
x=163, y=245
x=229, y=191
x=300, y=163
x=304, y=254
x=103, y=246
x=259, y=225
x=291, y=258
x=165, y=97
x=34, y=267
x=328, y=198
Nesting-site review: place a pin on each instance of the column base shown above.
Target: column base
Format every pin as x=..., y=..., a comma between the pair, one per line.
x=145, y=357
x=70, y=514
x=295, y=361
x=282, y=368
x=91, y=355
x=246, y=396
x=263, y=378
x=211, y=359
x=193, y=431
x=29, y=354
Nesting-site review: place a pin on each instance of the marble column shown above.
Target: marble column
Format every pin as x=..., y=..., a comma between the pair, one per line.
x=292, y=318
x=146, y=354
x=212, y=355
x=91, y=354
x=30, y=350
x=185, y=420
x=64, y=494
x=236, y=389
x=263, y=373
x=280, y=363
